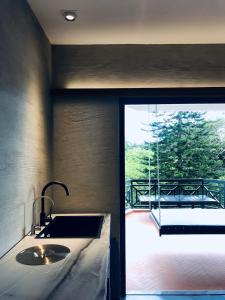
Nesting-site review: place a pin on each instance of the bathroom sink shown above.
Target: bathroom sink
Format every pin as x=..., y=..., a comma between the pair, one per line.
x=73, y=227
x=42, y=254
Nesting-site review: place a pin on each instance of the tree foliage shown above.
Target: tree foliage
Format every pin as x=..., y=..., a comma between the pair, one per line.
x=189, y=146
x=135, y=157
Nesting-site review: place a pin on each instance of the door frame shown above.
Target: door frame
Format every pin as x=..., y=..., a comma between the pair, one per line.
x=153, y=96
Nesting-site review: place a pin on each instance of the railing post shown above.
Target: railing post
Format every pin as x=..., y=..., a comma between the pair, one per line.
x=136, y=195
x=179, y=189
x=131, y=193
x=224, y=194
x=202, y=189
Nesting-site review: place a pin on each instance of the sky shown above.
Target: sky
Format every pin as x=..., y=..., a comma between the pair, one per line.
x=136, y=116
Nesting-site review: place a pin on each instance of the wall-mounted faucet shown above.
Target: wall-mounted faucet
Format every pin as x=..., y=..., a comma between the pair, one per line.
x=43, y=217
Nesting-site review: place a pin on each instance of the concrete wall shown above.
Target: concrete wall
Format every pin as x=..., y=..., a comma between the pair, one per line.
x=138, y=66
x=24, y=118
x=86, y=153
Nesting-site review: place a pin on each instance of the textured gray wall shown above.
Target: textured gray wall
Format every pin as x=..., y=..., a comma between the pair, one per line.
x=138, y=66
x=86, y=153
x=24, y=118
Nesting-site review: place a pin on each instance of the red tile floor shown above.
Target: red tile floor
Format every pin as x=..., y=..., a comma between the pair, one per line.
x=171, y=263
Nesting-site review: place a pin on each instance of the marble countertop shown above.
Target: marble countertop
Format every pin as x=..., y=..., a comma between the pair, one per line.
x=81, y=275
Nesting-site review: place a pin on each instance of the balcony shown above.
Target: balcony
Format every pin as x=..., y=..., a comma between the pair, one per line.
x=189, y=263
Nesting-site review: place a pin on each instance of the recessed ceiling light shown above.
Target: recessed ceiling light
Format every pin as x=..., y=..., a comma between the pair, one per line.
x=69, y=15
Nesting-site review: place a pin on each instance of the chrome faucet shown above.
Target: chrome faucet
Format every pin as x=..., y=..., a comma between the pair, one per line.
x=43, y=217
x=34, y=226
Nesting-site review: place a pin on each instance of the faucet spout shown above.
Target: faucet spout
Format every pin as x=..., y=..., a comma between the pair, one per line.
x=42, y=214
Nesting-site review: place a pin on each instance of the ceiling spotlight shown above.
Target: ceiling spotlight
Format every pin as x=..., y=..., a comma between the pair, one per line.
x=69, y=15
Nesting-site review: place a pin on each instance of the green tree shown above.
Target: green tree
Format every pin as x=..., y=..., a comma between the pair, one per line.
x=189, y=146
x=135, y=156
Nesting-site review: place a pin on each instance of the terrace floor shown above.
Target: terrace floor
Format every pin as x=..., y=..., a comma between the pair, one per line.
x=171, y=263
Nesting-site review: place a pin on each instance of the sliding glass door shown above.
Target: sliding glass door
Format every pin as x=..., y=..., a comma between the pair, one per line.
x=175, y=184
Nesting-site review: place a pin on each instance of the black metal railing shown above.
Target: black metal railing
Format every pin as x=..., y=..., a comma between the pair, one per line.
x=206, y=188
